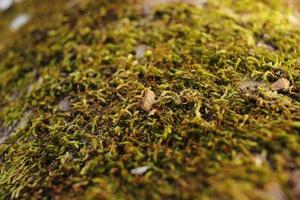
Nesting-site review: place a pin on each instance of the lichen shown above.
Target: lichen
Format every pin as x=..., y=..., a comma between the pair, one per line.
x=74, y=72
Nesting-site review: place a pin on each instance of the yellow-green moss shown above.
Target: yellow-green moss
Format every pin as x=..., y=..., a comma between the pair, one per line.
x=71, y=86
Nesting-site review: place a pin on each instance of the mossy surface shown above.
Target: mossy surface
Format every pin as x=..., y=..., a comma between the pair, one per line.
x=73, y=79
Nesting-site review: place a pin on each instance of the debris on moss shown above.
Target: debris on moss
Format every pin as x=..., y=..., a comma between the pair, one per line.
x=281, y=84
x=5, y=4
x=19, y=21
x=140, y=170
x=148, y=100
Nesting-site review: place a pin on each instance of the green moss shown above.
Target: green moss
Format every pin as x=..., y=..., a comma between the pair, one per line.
x=74, y=74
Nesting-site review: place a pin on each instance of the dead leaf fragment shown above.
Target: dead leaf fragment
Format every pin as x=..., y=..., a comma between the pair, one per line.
x=148, y=100
x=281, y=84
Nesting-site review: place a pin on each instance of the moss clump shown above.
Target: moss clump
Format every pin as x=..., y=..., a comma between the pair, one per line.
x=73, y=79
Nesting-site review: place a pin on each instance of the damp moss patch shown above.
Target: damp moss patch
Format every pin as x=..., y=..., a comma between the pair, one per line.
x=75, y=79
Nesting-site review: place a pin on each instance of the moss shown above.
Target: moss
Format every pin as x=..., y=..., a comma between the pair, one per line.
x=204, y=138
